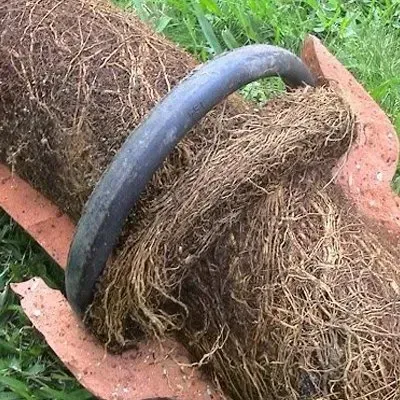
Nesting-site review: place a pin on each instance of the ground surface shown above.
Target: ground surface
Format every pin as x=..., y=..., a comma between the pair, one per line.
x=363, y=34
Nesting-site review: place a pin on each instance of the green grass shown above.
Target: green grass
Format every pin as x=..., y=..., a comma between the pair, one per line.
x=363, y=34
x=375, y=60
x=28, y=368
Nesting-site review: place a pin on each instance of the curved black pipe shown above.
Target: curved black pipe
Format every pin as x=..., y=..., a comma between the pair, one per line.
x=150, y=143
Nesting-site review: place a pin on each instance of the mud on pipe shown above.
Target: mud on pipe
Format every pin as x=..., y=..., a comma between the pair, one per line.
x=148, y=146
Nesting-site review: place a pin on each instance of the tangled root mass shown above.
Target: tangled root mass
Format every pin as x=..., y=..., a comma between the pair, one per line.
x=241, y=248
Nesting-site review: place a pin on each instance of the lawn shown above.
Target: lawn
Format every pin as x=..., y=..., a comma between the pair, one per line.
x=28, y=369
x=363, y=34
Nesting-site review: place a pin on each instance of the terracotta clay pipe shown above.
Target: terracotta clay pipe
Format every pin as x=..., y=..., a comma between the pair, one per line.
x=150, y=143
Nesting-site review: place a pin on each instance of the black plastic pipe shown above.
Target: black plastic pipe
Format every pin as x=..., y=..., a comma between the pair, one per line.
x=148, y=146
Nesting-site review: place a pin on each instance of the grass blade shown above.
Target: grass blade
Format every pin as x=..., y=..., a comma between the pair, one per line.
x=162, y=23
x=16, y=386
x=229, y=39
x=207, y=28
x=141, y=10
x=6, y=348
x=211, y=6
x=9, y=396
